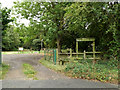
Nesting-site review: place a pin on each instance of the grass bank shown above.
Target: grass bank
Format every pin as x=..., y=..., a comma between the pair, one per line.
x=29, y=71
x=104, y=71
x=3, y=70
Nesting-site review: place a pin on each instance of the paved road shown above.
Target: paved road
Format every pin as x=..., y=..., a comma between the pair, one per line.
x=47, y=78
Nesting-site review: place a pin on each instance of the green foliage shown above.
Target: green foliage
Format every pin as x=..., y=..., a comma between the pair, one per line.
x=105, y=71
x=11, y=39
x=29, y=71
x=60, y=23
x=98, y=20
x=5, y=18
x=3, y=70
x=49, y=17
x=5, y=21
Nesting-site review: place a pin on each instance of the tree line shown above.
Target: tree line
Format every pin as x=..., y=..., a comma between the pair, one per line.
x=60, y=23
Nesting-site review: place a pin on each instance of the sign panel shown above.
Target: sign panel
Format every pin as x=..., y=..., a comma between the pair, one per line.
x=21, y=48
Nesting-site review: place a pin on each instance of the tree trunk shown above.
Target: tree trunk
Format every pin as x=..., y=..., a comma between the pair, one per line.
x=58, y=45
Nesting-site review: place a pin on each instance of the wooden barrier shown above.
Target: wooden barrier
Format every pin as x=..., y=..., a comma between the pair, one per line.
x=84, y=54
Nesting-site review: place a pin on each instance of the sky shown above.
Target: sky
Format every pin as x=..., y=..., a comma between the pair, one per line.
x=9, y=4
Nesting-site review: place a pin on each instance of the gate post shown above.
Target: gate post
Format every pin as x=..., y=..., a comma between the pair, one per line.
x=70, y=52
x=77, y=48
x=54, y=56
x=0, y=58
x=94, y=50
x=44, y=54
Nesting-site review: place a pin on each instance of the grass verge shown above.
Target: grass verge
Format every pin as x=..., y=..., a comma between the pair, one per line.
x=104, y=71
x=3, y=70
x=24, y=52
x=29, y=71
x=50, y=65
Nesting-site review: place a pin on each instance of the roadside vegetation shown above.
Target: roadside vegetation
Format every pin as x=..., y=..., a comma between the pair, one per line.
x=29, y=71
x=3, y=70
x=50, y=65
x=104, y=71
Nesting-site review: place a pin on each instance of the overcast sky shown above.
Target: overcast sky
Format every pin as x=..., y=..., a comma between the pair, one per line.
x=9, y=4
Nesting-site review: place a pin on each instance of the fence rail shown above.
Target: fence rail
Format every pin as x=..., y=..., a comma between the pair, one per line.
x=84, y=54
x=54, y=56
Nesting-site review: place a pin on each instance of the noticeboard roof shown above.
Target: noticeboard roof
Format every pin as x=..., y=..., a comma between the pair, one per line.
x=85, y=39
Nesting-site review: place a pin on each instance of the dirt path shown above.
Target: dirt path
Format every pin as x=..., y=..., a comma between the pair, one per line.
x=16, y=73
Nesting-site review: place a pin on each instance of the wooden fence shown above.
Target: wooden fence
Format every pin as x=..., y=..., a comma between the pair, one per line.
x=54, y=55
x=70, y=53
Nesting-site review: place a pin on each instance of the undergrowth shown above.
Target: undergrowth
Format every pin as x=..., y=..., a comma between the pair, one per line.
x=105, y=71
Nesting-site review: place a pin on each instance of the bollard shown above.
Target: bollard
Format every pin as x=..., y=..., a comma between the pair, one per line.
x=55, y=56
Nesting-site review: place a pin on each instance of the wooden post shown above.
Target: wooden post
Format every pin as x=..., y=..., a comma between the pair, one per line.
x=44, y=54
x=94, y=50
x=77, y=48
x=70, y=52
x=93, y=56
x=0, y=58
x=84, y=54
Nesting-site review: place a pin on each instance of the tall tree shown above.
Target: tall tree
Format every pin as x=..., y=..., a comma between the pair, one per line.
x=5, y=21
x=48, y=14
x=98, y=20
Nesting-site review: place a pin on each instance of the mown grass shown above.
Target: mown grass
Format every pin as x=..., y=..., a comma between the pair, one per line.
x=3, y=70
x=29, y=71
x=104, y=71
x=22, y=52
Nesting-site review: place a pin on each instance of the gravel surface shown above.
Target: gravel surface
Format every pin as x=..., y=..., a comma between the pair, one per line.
x=16, y=60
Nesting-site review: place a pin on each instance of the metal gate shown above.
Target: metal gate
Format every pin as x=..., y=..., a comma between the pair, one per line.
x=50, y=55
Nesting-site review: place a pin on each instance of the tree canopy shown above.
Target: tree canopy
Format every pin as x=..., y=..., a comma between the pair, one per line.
x=60, y=23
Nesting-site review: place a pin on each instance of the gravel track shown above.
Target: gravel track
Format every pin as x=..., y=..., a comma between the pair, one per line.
x=16, y=60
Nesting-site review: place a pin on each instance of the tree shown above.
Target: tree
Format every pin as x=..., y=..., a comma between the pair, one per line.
x=60, y=23
x=5, y=18
x=11, y=39
x=98, y=20
x=49, y=15
x=5, y=21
